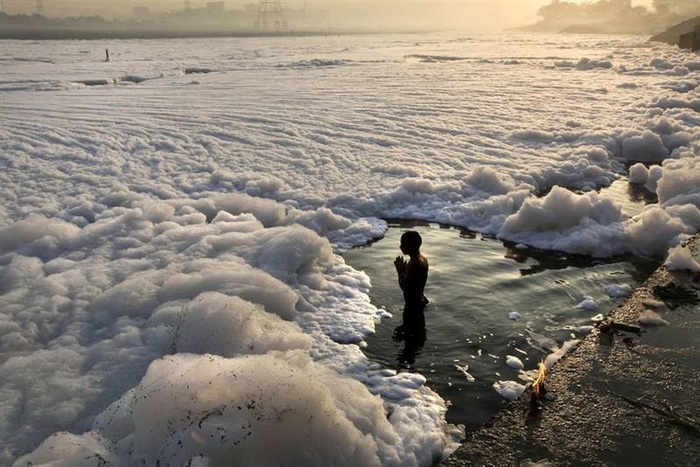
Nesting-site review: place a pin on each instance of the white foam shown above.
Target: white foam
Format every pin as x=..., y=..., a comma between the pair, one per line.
x=680, y=183
x=651, y=318
x=653, y=303
x=37, y=232
x=567, y=221
x=655, y=173
x=510, y=390
x=584, y=64
x=618, y=290
x=638, y=173
x=645, y=147
x=230, y=326
x=681, y=259
x=587, y=304
x=514, y=362
x=248, y=408
x=559, y=352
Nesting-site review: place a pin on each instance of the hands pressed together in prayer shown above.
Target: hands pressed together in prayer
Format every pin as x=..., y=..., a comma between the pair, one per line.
x=400, y=264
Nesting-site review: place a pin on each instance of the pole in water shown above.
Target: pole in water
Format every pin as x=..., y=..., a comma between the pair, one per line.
x=106, y=55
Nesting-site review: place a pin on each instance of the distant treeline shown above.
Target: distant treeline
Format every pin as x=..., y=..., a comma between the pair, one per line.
x=167, y=25
x=93, y=27
x=29, y=20
x=164, y=19
x=614, y=16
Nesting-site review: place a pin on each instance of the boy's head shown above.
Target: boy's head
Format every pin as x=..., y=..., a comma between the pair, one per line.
x=410, y=241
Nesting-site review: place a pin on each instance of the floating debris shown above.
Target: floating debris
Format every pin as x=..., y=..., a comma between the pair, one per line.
x=618, y=291
x=465, y=371
x=665, y=409
x=617, y=326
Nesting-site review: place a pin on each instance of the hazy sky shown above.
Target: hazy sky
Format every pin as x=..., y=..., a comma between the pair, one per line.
x=59, y=7
x=476, y=15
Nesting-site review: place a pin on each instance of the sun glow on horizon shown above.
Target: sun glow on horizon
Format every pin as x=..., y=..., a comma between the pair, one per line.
x=352, y=16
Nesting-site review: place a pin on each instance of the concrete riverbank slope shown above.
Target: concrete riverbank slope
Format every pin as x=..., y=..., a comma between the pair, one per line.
x=620, y=398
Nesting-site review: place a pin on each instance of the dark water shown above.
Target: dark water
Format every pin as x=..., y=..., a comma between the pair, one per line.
x=473, y=285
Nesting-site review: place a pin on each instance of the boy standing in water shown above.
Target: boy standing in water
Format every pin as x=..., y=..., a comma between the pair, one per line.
x=412, y=278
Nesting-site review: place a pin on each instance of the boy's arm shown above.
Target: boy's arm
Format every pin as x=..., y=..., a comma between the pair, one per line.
x=400, y=265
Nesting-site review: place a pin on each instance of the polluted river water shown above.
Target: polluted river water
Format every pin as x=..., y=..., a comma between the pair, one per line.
x=489, y=301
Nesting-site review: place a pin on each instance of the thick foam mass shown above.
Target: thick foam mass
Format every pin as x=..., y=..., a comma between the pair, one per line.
x=567, y=221
x=230, y=326
x=150, y=279
x=256, y=410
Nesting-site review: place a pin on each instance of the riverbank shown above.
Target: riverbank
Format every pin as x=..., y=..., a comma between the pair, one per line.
x=628, y=401
x=96, y=34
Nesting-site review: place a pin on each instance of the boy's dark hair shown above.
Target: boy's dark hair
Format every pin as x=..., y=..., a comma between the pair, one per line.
x=412, y=237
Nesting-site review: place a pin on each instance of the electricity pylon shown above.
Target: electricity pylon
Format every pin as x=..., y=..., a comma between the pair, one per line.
x=270, y=16
x=40, y=7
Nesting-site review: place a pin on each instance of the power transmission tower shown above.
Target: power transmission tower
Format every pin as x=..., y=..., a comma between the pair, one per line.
x=186, y=5
x=270, y=16
x=40, y=7
x=2, y=6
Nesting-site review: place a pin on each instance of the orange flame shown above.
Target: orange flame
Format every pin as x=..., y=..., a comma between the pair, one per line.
x=541, y=373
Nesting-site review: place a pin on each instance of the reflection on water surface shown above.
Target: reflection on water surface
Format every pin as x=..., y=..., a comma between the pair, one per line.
x=473, y=285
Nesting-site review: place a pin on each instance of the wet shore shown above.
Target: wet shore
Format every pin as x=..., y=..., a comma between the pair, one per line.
x=618, y=399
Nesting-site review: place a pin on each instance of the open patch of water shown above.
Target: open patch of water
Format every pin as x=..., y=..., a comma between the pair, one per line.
x=474, y=285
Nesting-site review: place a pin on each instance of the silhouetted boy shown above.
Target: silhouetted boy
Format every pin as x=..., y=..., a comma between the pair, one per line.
x=412, y=278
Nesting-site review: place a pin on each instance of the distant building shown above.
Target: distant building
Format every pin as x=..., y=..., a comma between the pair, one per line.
x=140, y=11
x=215, y=7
